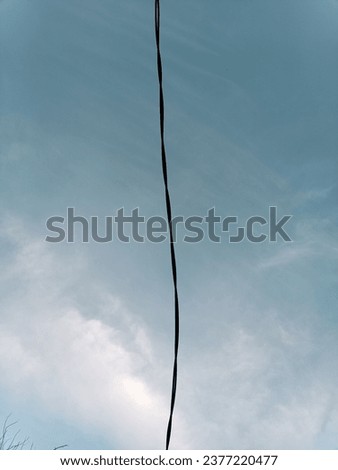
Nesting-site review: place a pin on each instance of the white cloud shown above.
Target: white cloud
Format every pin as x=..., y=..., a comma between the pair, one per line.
x=312, y=195
x=260, y=390
x=93, y=373
x=284, y=256
x=253, y=384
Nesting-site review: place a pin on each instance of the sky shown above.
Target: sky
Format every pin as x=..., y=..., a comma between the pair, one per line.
x=86, y=329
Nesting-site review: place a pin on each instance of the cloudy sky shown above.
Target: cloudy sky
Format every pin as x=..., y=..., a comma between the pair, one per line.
x=86, y=330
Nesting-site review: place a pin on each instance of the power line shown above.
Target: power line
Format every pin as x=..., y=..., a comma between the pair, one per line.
x=168, y=209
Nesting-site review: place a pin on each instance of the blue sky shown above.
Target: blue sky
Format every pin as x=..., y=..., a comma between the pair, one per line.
x=86, y=329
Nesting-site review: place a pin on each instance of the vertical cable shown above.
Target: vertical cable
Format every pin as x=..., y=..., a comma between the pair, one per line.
x=168, y=208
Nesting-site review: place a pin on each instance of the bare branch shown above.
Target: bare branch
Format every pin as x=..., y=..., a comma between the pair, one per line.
x=9, y=441
x=60, y=447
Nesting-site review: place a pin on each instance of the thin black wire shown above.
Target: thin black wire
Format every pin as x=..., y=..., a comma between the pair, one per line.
x=168, y=208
